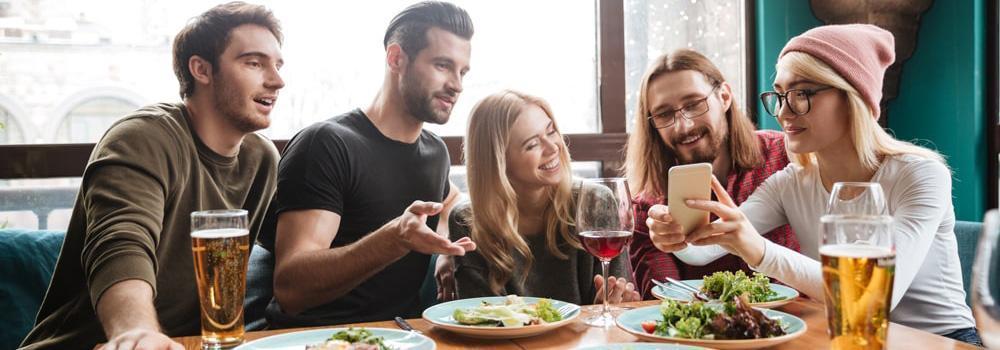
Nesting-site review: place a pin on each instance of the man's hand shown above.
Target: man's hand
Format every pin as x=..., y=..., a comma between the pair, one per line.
x=141, y=339
x=129, y=319
x=666, y=234
x=444, y=273
x=415, y=235
x=621, y=290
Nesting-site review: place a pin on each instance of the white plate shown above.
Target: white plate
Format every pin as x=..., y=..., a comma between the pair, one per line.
x=440, y=315
x=397, y=339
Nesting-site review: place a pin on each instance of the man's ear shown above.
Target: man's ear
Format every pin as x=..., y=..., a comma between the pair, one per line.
x=395, y=58
x=726, y=93
x=200, y=69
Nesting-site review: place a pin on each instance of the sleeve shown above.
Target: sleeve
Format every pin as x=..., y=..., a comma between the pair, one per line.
x=792, y=268
x=314, y=172
x=700, y=255
x=124, y=189
x=764, y=208
x=922, y=198
x=470, y=269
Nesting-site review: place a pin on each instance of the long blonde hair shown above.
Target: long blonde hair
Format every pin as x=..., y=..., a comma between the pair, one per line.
x=871, y=142
x=495, y=216
x=647, y=159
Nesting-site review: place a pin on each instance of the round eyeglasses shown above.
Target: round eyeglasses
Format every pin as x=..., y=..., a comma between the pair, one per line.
x=668, y=118
x=798, y=100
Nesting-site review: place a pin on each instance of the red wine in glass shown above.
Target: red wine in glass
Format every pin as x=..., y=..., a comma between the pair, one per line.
x=605, y=245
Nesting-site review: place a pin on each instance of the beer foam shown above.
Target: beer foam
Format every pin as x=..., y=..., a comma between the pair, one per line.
x=220, y=233
x=856, y=251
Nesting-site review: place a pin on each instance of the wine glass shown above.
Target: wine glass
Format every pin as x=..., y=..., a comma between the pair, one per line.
x=857, y=198
x=986, y=282
x=604, y=221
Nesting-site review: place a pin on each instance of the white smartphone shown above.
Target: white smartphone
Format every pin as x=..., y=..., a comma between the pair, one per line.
x=692, y=181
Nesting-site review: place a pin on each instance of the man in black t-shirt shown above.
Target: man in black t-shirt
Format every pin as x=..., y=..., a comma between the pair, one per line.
x=360, y=195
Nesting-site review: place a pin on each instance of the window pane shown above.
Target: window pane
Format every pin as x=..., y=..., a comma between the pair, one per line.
x=711, y=27
x=9, y=130
x=59, y=54
x=88, y=121
x=37, y=203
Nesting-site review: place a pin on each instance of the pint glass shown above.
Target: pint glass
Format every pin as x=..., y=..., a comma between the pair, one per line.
x=858, y=268
x=220, y=244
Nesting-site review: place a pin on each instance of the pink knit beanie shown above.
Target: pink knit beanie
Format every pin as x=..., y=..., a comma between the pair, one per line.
x=860, y=53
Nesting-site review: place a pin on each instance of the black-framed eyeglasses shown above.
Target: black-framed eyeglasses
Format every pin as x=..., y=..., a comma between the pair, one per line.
x=799, y=100
x=668, y=118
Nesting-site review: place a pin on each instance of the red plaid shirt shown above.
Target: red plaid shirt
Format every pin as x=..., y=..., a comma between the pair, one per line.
x=650, y=262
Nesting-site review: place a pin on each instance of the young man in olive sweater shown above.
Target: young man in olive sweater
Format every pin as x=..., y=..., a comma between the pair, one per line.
x=125, y=273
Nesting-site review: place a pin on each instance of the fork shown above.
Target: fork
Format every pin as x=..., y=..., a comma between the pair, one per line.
x=565, y=310
x=678, y=284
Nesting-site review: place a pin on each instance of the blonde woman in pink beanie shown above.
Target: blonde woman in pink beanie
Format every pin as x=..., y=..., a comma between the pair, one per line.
x=826, y=97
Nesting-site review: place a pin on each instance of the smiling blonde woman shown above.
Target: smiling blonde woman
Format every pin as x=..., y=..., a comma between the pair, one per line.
x=521, y=211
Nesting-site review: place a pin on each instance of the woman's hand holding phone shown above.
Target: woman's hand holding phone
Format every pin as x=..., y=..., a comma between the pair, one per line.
x=732, y=231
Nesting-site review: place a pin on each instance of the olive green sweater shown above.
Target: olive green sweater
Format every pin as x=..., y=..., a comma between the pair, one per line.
x=132, y=220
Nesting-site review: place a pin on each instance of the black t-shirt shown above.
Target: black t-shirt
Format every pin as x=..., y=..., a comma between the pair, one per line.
x=347, y=166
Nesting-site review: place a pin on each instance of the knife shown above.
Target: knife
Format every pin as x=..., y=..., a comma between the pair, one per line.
x=405, y=325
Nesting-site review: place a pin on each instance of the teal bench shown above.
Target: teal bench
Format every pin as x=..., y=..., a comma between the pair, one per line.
x=967, y=234
x=28, y=257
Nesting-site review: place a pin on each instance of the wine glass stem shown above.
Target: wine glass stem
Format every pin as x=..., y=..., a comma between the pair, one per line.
x=607, y=286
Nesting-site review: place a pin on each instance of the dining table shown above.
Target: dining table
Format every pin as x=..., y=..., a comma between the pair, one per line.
x=577, y=334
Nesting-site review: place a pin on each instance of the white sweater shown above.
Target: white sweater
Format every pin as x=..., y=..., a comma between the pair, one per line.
x=927, y=290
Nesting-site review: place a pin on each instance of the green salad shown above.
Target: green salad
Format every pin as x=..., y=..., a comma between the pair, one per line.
x=697, y=320
x=725, y=285
x=683, y=320
x=352, y=338
x=514, y=312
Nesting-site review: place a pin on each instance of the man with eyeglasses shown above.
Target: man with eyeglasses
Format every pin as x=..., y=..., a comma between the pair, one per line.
x=686, y=114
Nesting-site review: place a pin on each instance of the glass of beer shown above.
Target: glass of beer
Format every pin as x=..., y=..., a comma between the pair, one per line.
x=220, y=244
x=858, y=260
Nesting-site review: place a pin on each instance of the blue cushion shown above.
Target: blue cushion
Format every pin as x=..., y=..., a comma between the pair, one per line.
x=967, y=235
x=27, y=259
x=260, y=288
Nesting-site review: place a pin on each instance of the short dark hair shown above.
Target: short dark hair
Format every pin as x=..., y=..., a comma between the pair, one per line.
x=207, y=36
x=409, y=27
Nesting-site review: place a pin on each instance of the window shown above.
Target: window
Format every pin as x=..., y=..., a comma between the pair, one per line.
x=87, y=121
x=9, y=129
x=74, y=67
x=334, y=54
x=654, y=27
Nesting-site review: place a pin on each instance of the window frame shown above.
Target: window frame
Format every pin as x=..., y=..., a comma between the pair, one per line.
x=606, y=146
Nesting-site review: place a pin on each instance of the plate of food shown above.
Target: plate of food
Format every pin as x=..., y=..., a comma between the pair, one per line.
x=641, y=346
x=501, y=317
x=343, y=339
x=731, y=325
x=725, y=285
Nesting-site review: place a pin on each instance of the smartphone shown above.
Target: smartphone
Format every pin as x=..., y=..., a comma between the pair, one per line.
x=692, y=181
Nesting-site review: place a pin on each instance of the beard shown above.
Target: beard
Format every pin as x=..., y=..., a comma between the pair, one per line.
x=419, y=103
x=699, y=154
x=232, y=105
